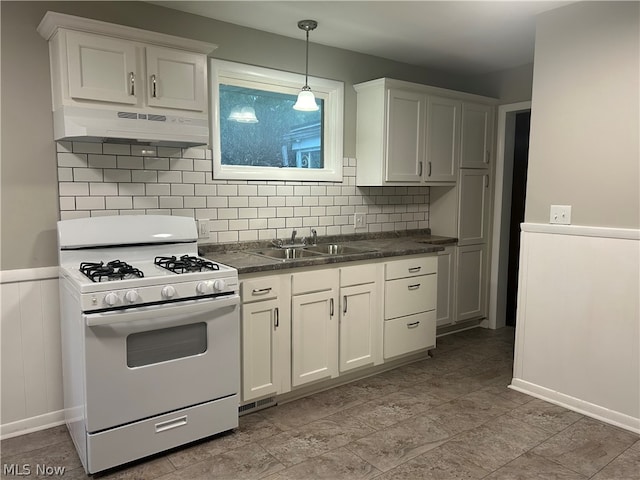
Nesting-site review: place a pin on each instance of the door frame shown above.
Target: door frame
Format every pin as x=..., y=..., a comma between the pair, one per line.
x=502, y=211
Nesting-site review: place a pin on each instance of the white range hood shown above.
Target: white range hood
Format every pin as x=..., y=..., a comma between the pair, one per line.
x=131, y=126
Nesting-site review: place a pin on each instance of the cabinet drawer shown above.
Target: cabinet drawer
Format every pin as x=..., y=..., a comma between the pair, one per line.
x=358, y=275
x=406, y=296
x=259, y=289
x=408, y=334
x=411, y=267
x=314, y=281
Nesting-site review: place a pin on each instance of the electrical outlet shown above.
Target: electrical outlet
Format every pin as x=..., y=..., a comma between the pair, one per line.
x=560, y=214
x=360, y=220
x=203, y=228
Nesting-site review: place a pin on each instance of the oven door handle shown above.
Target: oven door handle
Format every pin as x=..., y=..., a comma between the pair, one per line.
x=145, y=313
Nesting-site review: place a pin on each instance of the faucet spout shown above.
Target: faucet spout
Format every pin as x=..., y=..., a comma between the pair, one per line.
x=293, y=237
x=314, y=236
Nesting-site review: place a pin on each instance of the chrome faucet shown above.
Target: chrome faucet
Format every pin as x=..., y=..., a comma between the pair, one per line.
x=293, y=237
x=314, y=236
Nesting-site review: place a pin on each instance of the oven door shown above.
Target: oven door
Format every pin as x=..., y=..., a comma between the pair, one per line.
x=147, y=361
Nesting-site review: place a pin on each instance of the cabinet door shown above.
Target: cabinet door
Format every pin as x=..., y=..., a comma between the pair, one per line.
x=405, y=136
x=102, y=68
x=260, y=322
x=176, y=79
x=314, y=337
x=470, y=297
x=475, y=202
x=475, y=144
x=446, y=286
x=442, y=139
x=358, y=314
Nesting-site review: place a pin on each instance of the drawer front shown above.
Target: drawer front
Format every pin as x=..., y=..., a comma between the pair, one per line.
x=259, y=289
x=146, y=437
x=411, y=267
x=409, y=334
x=314, y=281
x=406, y=296
x=358, y=275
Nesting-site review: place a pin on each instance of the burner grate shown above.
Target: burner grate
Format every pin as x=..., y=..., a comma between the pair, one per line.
x=185, y=264
x=113, y=270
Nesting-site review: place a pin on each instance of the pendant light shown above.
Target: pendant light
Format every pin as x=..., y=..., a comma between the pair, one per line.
x=306, y=100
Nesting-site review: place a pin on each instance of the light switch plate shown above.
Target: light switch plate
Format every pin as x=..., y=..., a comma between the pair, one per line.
x=560, y=214
x=360, y=220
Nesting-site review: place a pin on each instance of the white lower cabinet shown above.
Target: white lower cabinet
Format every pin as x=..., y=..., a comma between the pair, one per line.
x=265, y=328
x=360, y=322
x=314, y=326
x=410, y=297
x=472, y=283
x=445, y=314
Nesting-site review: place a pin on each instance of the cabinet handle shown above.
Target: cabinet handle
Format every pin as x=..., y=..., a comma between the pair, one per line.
x=132, y=83
x=488, y=157
x=419, y=169
x=344, y=310
x=154, y=91
x=413, y=325
x=414, y=269
x=486, y=181
x=429, y=174
x=171, y=424
x=331, y=307
x=261, y=291
x=414, y=287
x=276, y=317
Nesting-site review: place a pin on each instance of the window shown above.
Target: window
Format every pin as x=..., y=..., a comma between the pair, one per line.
x=257, y=135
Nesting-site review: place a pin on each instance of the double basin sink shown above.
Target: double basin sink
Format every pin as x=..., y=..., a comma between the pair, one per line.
x=312, y=251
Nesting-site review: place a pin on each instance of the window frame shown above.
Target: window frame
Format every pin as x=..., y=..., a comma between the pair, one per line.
x=331, y=91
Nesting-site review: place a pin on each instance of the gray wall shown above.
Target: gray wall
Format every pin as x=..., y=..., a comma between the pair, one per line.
x=29, y=198
x=584, y=147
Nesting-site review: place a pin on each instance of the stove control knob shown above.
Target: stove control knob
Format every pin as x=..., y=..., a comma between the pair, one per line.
x=168, y=291
x=219, y=285
x=203, y=288
x=111, y=299
x=131, y=296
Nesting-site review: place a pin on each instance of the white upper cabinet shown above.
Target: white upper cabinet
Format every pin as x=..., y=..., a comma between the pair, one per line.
x=176, y=79
x=410, y=134
x=477, y=134
x=405, y=136
x=443, y=139
x=102, y=68
x=105, y=65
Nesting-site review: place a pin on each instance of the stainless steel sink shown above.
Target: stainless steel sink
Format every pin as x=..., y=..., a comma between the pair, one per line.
x=336, y=249
x=286, y=253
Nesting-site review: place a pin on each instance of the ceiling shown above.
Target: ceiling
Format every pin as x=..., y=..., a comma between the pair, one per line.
x=464, y=37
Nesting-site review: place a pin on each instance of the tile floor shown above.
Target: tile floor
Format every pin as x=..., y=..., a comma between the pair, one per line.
x=448, y=417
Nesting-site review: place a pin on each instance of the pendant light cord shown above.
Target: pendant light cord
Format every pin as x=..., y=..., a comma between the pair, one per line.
x=306, y=67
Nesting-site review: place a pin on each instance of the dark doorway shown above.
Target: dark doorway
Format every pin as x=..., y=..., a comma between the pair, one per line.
x=518, y=192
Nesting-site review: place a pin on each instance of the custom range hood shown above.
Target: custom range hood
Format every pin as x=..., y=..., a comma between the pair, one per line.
x=129, y=126
x=121, y=84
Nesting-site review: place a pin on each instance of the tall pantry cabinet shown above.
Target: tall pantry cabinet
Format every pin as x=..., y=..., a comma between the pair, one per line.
x=464, y=211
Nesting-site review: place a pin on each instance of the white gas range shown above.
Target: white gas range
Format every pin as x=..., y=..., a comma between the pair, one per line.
x=150, y=337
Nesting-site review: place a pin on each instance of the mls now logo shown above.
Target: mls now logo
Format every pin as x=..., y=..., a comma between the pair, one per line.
x=25, y=469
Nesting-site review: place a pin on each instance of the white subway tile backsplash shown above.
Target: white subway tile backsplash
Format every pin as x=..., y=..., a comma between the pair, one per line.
x=116, y=149
x=72, y=160
x=97, y=179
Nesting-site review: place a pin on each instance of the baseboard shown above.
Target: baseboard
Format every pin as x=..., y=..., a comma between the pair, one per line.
x=585, y=408
x=33, y=424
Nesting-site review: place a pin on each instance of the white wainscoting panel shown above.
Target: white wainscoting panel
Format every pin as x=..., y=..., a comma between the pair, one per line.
x=578, y=320
x=31, y=356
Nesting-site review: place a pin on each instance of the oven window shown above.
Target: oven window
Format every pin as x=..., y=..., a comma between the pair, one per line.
x=155, y=346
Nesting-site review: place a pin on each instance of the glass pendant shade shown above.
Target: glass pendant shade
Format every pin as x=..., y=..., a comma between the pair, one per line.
x=243, y=115
x=306, y=101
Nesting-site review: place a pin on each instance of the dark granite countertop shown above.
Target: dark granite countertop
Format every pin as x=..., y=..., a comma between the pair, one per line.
x=374, y=245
